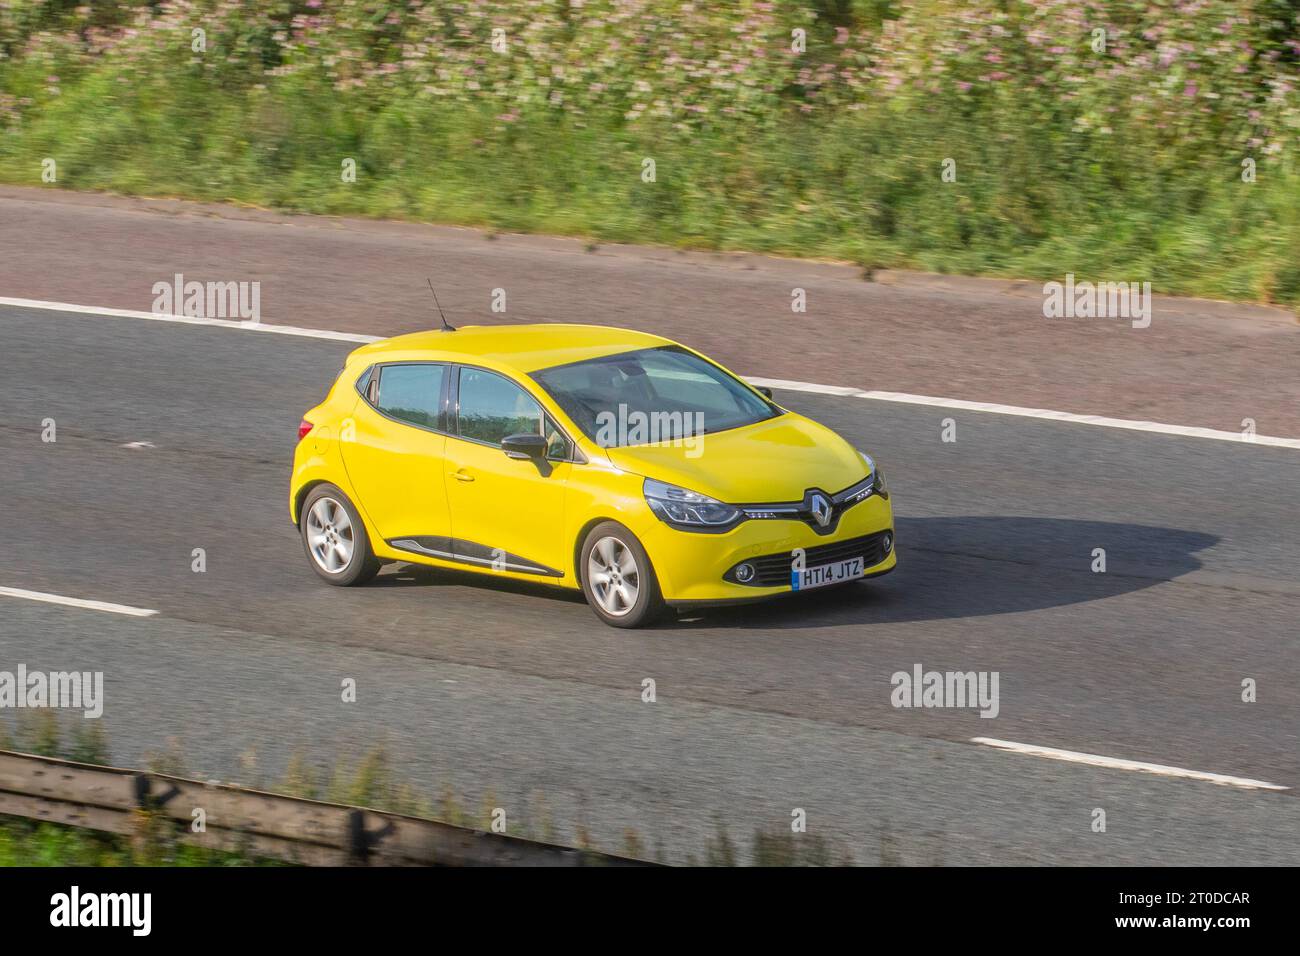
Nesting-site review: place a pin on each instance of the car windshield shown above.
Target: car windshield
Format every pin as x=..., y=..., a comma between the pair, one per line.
x=651, y=395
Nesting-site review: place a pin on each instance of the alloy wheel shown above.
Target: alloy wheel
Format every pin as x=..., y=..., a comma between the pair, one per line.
x=614, y=577
x=330, y=535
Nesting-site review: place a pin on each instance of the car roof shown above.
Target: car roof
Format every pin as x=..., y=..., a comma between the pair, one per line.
x=525, y=348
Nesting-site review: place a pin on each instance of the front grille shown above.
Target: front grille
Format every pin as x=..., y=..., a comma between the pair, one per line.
x=840, y=502
x=773, y=570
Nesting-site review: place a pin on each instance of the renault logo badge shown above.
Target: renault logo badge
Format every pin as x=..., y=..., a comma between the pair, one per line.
x=821, y=508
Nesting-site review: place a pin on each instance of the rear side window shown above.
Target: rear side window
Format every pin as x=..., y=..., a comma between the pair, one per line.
x=411, y=393
x=492, y=407
x=363, y=383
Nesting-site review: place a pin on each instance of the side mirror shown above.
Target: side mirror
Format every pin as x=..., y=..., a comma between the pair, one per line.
x=524, y=447
x=765, y=390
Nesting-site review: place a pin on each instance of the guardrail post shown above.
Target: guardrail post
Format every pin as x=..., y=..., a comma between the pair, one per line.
x=146, y=799
x=150, y=824
x=360, y=840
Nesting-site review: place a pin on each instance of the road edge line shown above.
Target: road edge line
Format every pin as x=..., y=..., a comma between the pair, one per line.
x=1117, y=763
x=47, y=598
x=189, y=320
x=1044, y=414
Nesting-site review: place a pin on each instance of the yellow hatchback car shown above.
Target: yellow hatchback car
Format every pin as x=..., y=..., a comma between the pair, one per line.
x=586, y=457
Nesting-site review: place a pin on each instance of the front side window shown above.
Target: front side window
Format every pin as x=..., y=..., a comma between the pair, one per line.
x=492, y=407
x=411, y=393
x=677, y=392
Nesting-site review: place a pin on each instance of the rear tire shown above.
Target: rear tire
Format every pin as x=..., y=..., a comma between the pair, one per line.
x=334, y=538
x=618, y=579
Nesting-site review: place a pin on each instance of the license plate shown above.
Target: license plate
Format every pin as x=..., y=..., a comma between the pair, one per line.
x=825, y=574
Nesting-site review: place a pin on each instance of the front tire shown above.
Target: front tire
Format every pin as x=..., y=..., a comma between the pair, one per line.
x=618, y=578
x=334, y=537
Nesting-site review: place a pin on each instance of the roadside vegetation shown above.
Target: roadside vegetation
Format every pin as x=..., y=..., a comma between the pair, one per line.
x=1107, y=138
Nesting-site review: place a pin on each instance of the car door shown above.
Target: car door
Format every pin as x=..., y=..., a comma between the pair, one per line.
x=393, y=452
x=506, y=513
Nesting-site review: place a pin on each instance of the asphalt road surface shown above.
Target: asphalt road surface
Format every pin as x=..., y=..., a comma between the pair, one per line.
x=519, y=693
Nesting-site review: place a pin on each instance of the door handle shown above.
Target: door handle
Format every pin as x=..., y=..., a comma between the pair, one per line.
x=463, y=475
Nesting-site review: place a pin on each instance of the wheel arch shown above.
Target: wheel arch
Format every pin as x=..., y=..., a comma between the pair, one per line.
x=580, y=539
x=301, y=497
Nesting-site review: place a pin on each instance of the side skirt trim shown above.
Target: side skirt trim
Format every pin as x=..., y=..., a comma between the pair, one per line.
x=472, y=553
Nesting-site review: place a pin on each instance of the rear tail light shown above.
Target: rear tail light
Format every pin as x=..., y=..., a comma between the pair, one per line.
x=303, y=428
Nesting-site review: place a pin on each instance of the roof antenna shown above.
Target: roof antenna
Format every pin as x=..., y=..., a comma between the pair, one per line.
x=446, y=326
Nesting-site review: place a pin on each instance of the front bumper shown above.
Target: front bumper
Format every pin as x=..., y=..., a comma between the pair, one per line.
x=694, y=567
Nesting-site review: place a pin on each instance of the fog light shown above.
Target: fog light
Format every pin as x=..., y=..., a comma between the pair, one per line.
x=744, y=573
x=887, y=542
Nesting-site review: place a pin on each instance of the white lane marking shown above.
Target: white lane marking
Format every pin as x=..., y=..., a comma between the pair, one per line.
x=139, y=445
x=77, y=602
x=190, y=320
x=1185, y=431
x=1115, y=763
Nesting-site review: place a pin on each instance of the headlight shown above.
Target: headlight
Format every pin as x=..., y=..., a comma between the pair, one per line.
x=687, y=508
x=878, y=486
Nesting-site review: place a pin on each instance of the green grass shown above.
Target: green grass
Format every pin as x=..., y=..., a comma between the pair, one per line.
x=25, y=843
